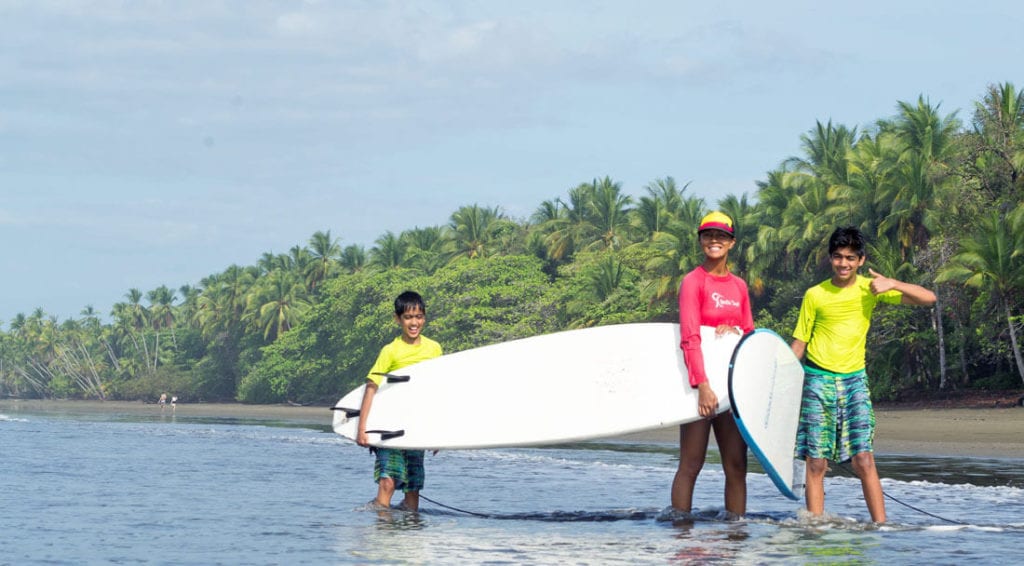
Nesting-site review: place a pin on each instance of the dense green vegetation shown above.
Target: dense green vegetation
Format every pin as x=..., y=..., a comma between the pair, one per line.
x=940, y=199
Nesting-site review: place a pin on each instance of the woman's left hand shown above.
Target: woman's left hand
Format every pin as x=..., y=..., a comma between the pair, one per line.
x=707, y=401
x=723, y=329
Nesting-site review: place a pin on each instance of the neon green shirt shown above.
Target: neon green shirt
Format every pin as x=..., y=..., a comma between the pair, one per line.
x=398, y=354
x=834, y=323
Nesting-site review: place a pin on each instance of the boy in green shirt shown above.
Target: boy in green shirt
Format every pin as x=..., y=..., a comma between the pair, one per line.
x=398, y=469
x=837, y=421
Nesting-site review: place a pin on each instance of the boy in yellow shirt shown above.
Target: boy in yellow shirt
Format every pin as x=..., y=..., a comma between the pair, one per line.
x=398, y=469
x=837, y=421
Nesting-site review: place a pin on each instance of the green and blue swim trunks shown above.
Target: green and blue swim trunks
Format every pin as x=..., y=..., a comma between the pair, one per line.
x=837, y=420
x=404, y=467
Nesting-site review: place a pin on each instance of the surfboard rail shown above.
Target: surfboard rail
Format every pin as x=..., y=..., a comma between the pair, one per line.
x=765, y=388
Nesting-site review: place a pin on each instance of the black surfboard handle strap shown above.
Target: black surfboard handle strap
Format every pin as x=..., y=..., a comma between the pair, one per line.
x=349, y=413
x=387, y=434
x=392, y=378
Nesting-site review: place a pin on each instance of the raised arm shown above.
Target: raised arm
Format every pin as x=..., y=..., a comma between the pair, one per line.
x=912, y=294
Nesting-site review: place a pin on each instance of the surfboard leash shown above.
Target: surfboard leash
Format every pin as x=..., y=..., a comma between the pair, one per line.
x=852, y=474
x=456, y=509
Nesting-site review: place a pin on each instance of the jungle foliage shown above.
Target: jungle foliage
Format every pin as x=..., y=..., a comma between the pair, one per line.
x=939, y=198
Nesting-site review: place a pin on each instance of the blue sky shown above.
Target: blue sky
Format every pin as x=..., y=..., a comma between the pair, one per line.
x=155, y=143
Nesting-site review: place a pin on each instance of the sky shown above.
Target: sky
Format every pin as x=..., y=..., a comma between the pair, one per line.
x=154, y=143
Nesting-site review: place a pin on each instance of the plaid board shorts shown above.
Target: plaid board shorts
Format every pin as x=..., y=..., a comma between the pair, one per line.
x=404, y=467
x=837, y=420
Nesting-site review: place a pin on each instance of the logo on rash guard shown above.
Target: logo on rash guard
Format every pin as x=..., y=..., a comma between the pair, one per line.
x=721, y=302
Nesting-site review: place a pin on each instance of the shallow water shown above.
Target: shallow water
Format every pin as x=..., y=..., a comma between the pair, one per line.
x=109, y=489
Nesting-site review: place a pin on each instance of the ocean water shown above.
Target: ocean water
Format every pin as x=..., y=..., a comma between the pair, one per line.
x=108, y=489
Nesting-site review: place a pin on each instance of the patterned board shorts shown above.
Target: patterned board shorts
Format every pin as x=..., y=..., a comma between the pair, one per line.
x=404, y=467
x=837, y=421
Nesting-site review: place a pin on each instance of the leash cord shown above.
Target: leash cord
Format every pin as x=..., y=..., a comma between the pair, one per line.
x=456, y=509
x=907, y=505
x=848, y=471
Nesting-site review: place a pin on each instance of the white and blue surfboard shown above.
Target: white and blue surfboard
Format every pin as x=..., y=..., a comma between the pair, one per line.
x=765, y=387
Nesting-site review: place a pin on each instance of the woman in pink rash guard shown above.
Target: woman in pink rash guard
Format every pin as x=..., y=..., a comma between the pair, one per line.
x=711, y=296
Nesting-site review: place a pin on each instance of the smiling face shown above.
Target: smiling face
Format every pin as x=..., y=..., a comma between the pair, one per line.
x=716, y=243
x=845, y=263
x=411, y=322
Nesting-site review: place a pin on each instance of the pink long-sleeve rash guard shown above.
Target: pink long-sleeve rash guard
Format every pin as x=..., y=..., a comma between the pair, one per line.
x=709, y=300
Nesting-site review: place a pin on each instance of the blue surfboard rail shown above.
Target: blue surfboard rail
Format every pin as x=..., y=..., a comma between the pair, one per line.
x=766, y=463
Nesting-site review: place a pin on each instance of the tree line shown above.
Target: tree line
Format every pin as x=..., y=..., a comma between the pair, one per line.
x=938, y=196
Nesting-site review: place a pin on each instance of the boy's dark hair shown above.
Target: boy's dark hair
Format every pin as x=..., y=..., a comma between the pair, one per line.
x=408, y=301
x=848, y=237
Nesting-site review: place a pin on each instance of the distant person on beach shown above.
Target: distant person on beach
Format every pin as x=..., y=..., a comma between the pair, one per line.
x=163, y=401
x=174, y=402
x=398, y=469
x=837, y=420
x=711, y=296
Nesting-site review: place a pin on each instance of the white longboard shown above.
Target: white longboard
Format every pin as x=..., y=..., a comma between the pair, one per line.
x=765, y=387
x=562, y=387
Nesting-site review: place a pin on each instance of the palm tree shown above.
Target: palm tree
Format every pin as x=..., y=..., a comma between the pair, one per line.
x=573, y=230
x=390, y=251
x=472, y=231
x=992, y=257
x=767, y=256
x=806, y=223
x=924, y=130
x=425, y=247
x=325, y=255
x=607, y=278
x=863, y=200
x=548, y=211
x=161, y=316
x=277, y=303
x=138, y=319
x=353, y=258
x=745, y=231
x=138, y=313
x=121, y=331
x=299, y=260
x=610, y=214
x=674, y=251
x=826, y=149
x=928, y=141
x=998, y=154
x=189, y=302
x=224, y=300
x=268, y=262
x=661, y=205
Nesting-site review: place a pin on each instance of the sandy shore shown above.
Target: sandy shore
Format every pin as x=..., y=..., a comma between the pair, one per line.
x=979, y=433
x=973, y=432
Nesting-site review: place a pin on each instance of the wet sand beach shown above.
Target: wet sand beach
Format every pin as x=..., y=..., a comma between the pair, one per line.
x=969, y=432
x=945, y=431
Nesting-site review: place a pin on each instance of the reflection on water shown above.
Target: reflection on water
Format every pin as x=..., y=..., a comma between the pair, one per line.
x=100, y=490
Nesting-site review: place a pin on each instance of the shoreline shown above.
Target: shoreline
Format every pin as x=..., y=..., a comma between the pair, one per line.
x=965, y=432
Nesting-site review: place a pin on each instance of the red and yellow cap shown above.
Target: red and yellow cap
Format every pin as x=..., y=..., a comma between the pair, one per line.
x=716, y=221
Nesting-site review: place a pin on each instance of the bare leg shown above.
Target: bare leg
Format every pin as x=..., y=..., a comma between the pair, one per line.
x=815, y=488
x=385, y=491
x=733, y=450
x=864, y=466
x=693, y=445
x=411, y=501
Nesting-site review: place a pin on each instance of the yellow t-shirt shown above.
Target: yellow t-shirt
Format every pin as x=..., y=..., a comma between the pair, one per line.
x=398, y=354
x=834, y=322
